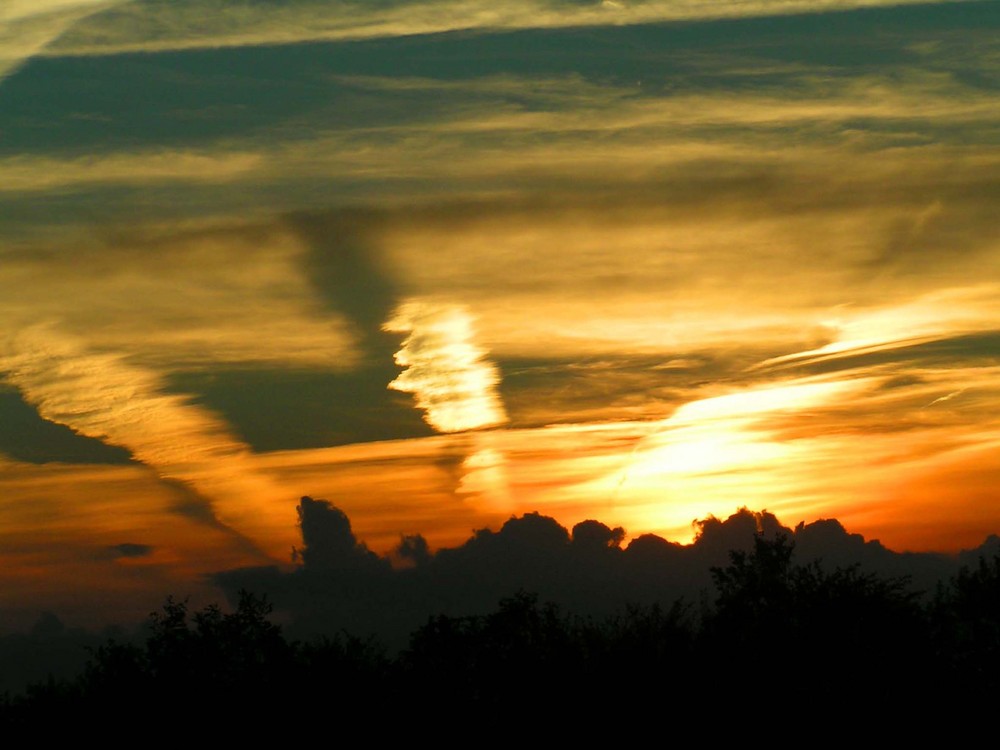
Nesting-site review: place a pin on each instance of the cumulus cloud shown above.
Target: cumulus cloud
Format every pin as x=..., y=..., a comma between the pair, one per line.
x=328, y=540
x=585, y=570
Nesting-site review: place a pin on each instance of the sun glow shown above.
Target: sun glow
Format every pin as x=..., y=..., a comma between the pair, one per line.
x=717, y=452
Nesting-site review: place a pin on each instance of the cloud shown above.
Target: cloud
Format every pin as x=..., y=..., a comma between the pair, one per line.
x=585, y=571
x=185, y=24
x=329, y=543
x=28, y=26
x=954, y=313
x=24, y=174
x=103, y=396
x=28, y=437
x=826, y=211
x=447, y=373
x=130, y=549
x=858, y=441
x=181, y=297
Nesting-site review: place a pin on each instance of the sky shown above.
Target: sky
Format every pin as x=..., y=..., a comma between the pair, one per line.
x=443, y=263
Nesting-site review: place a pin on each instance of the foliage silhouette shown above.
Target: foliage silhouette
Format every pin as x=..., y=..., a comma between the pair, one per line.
x=967, y=619
x=834, y=627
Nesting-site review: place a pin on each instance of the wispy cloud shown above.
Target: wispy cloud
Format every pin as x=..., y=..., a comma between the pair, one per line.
x=102, y=395
x=28, y=26
x=448, y=374
x=185, y=24
x=941, y=314
x=844, y=444
x=184, y=297
x=23, y=174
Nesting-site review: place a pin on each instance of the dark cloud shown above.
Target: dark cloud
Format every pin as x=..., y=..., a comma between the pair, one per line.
x=25, y=436
x=136, y=99
x=902, y=381
x=322, y=408
x=595, y=536
x=413, y=550
x=329, y=543
x=989, y=548
x=341, y=584
x=317, y=409
x=345, y=266
x=130, y=549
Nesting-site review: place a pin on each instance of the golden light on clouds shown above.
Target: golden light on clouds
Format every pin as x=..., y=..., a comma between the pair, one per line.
x=447, y=373
x=22, y=174
x=182, y=297
x=101, y=395
x=28, y=26
x=719, y=450
x=939, y=314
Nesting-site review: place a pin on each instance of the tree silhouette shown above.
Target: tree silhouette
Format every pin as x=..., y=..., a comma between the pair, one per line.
x=776, y=634
x=967, y=622
x=829, y=629
x=197, y=664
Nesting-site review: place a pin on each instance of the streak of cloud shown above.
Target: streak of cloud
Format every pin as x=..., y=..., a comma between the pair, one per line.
x=187, y=24
x=941, y=314
x=20, y=174
x=947, y=397
x=28, y=26
x=444, y=369
x=102, y=395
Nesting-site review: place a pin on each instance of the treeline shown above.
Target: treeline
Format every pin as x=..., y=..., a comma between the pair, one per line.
x=775, y=635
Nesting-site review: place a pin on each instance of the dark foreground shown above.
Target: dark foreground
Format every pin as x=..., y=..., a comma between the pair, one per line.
x=778, y=640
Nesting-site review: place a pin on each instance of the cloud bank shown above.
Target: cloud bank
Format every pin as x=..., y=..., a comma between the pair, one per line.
x=341, y=584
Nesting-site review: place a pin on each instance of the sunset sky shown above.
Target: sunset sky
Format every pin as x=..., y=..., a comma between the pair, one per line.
x=442, y=262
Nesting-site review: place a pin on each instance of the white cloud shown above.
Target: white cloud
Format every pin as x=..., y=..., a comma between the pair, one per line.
x=449, y=376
